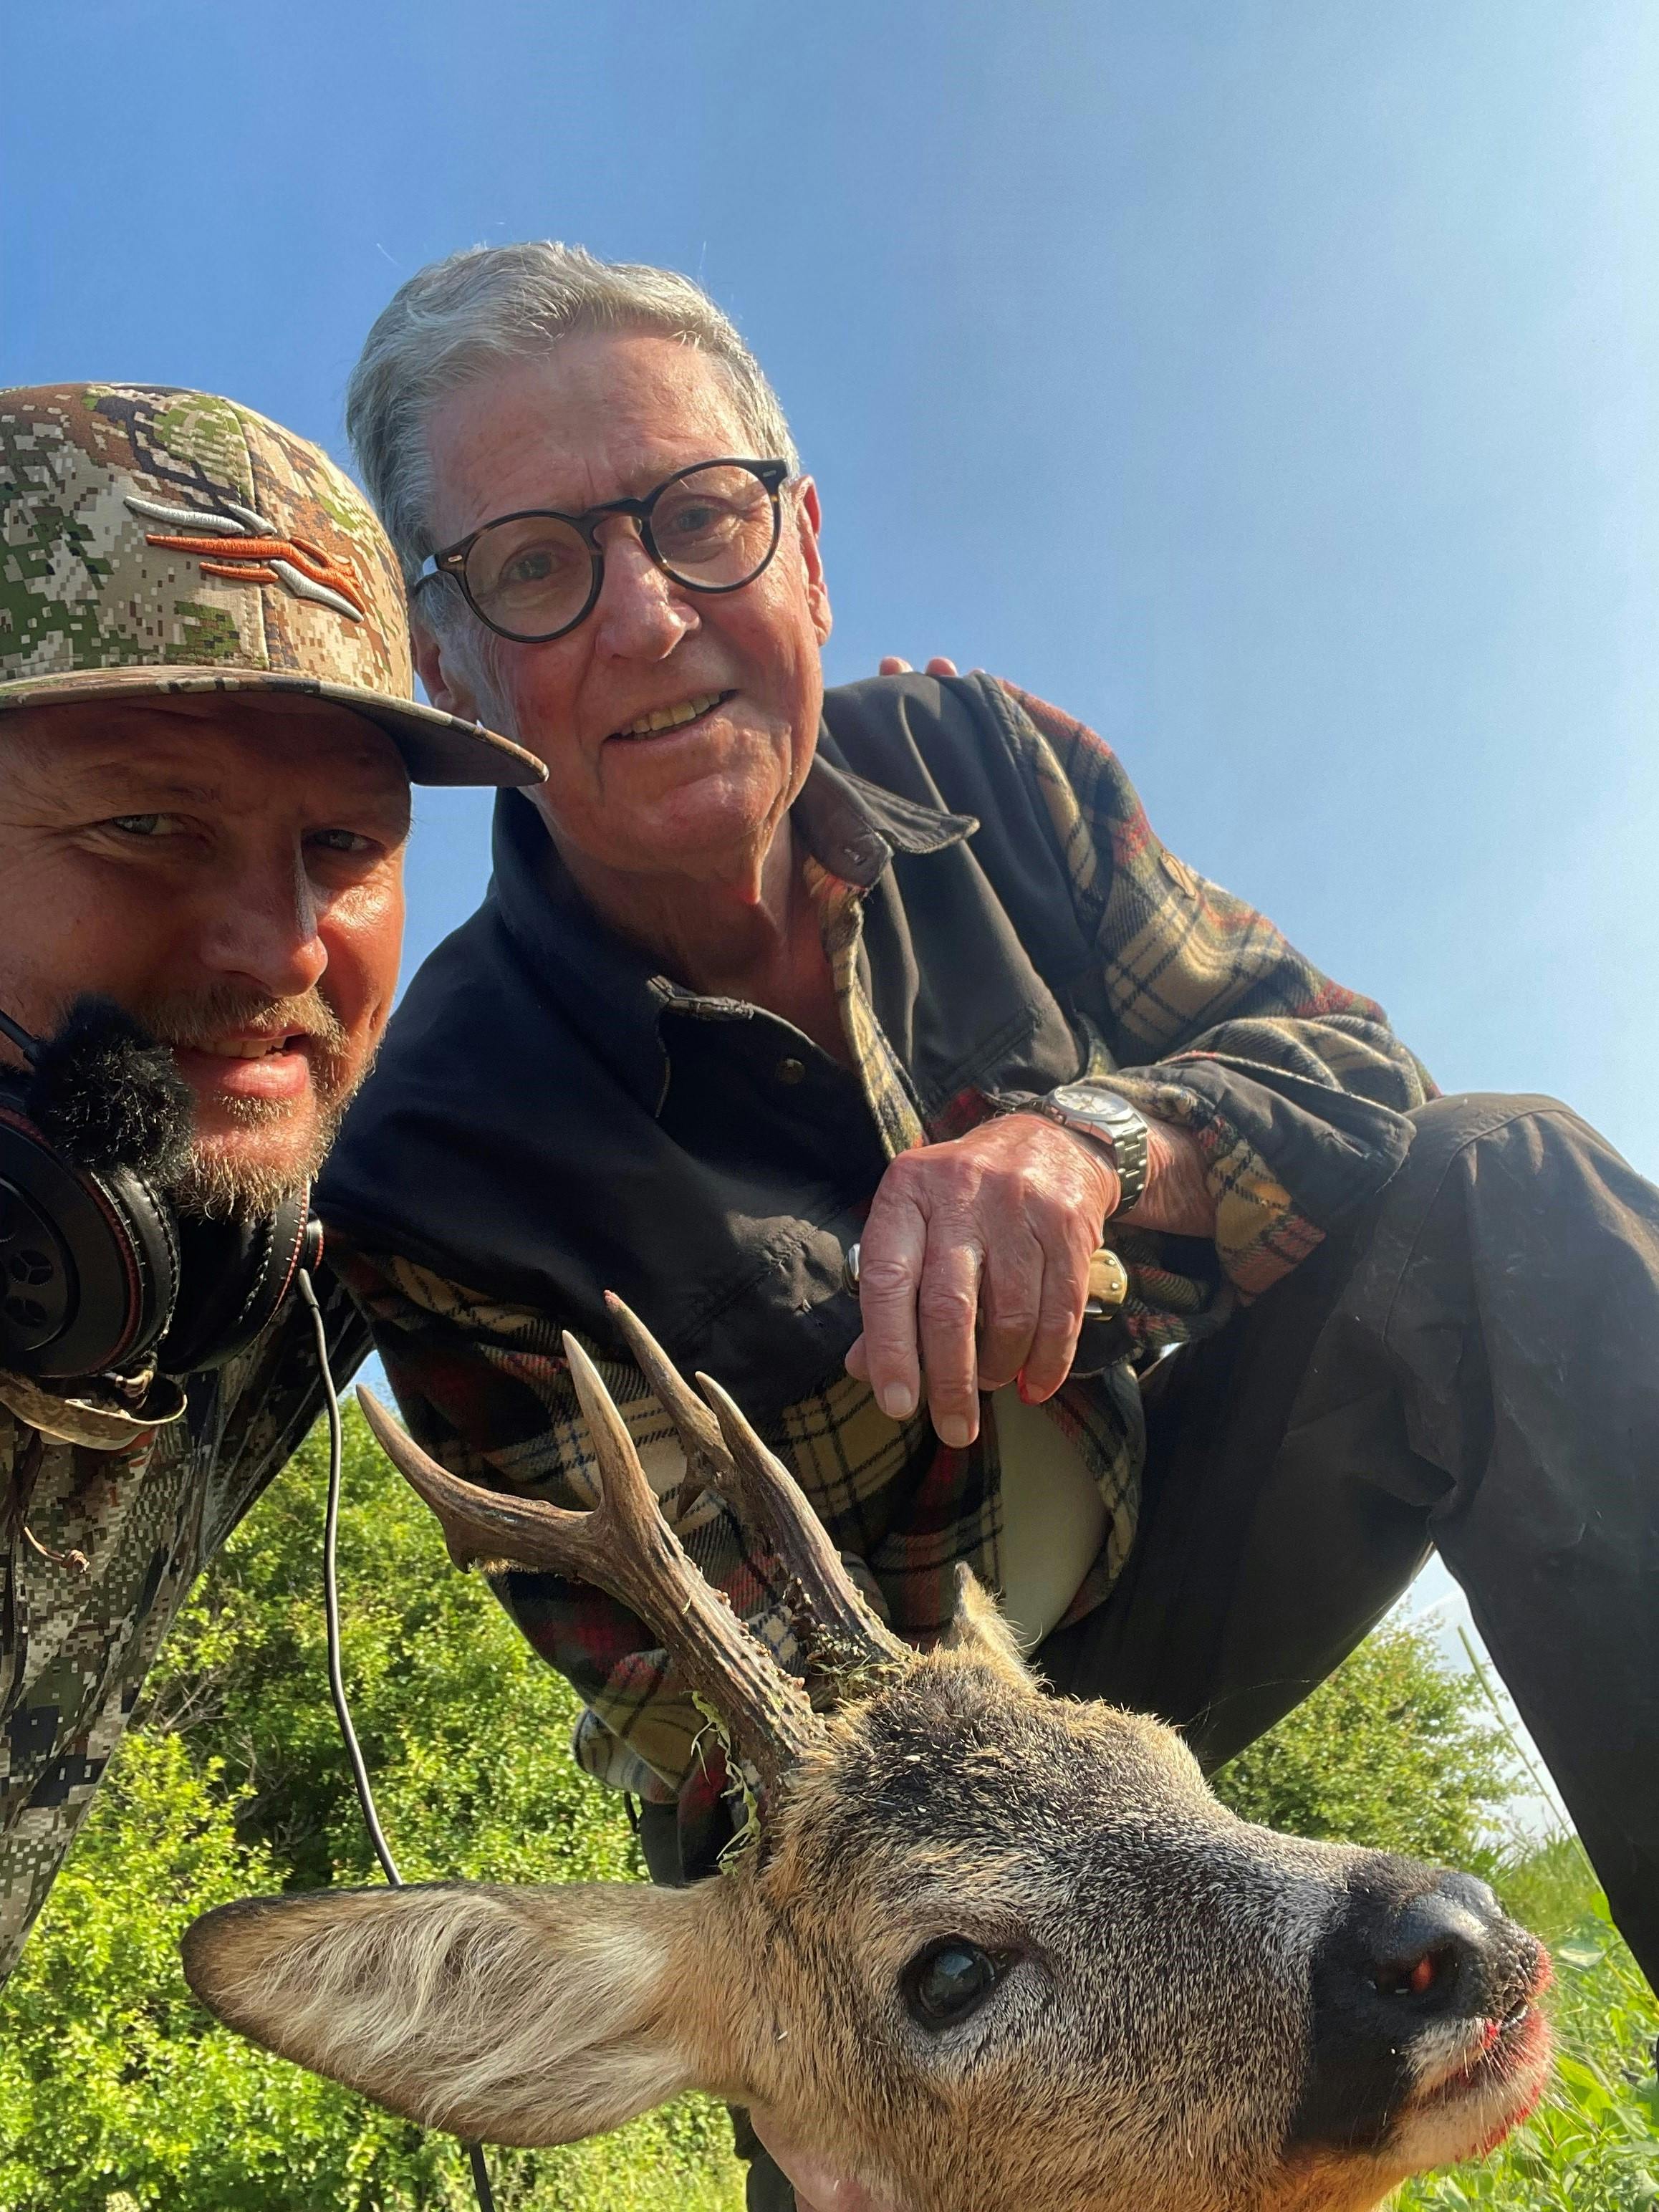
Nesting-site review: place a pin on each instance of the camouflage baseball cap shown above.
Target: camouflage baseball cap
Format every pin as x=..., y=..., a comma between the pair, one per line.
x=156, y=541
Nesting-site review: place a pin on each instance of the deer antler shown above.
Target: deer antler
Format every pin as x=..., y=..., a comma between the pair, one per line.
x=835, y=1621
x=625, y=1548
x=707, y=1459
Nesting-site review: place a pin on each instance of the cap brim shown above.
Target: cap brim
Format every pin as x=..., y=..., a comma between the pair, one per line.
x=436, y=747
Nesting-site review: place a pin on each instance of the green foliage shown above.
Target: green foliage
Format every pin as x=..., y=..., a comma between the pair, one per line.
x=118, y=2095
x=465, y=1730
x=1395, y=1751
x=115, y=2094
x=107, y=2080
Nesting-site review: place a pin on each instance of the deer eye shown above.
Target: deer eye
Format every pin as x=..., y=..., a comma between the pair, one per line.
x=948, y=1980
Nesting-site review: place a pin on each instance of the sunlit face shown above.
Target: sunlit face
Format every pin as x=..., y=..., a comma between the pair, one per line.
x=597, y=418
x=231, y=873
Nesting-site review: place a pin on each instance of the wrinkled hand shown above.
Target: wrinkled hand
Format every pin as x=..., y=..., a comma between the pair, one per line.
x=974, y=1259
x=820, y=2185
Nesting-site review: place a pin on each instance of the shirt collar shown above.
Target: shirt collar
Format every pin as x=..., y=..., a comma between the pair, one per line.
x=612, y=990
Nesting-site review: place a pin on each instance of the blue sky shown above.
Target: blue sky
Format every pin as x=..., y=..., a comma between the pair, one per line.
x=1271, y=385
x=1269, y=382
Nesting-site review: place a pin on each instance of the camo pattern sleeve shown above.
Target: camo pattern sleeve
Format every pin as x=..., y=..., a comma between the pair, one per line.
x=1295, y=1087
x=97, y=1553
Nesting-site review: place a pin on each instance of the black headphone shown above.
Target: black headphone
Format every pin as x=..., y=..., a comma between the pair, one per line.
x=99, y=1274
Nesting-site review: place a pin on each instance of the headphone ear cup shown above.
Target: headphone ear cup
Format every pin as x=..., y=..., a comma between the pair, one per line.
x=233, y=1276
x=88, y=1260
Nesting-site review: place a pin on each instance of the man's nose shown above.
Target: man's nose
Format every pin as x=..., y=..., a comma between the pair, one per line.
x=641, y=614
x=264, y=929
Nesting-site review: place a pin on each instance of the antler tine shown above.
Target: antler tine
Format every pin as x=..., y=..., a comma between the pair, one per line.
x=707, y=1459
x=768, y=1713
x=485, y=1524
x=626, y=1548
x=843, y=1629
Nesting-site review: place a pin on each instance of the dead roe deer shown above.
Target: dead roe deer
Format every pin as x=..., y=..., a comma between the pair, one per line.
x=1001, y=1951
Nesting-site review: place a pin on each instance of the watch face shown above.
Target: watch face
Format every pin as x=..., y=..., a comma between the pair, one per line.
x=1096, y=1105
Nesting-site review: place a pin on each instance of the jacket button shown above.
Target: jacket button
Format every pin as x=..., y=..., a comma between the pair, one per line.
x=791, y=1070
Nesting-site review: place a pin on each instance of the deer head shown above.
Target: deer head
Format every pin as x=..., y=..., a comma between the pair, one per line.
x=989, y=1948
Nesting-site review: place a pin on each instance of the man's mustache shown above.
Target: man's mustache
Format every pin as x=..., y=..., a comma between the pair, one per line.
x=197, y=1019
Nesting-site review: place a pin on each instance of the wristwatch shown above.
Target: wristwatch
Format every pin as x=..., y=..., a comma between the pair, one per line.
x=1089, y=1111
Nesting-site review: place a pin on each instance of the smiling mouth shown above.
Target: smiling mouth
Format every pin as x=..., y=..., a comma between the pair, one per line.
x=676, y=717
x=249, y=1048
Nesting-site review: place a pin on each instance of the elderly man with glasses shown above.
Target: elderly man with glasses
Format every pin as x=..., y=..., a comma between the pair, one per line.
x=766, y=970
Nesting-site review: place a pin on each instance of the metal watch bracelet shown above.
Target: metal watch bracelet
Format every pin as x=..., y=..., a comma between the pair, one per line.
x=1089, y=1110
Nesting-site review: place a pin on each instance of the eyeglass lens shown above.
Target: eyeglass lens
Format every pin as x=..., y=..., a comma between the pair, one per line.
x=712, y=529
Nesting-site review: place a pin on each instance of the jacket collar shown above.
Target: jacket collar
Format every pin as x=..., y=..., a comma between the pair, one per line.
x=612, y=990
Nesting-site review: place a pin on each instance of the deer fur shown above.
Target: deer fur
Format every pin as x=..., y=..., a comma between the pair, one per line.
x=1149, y=2045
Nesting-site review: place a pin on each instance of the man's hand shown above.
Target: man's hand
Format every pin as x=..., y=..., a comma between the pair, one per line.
x=974, y=1261
x=891, y=664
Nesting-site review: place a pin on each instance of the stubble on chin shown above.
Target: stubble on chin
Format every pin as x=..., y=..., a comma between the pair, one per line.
x=239, y=1181
x=268, y=1150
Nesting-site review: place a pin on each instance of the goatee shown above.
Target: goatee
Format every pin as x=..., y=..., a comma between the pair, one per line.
x=223, y=1184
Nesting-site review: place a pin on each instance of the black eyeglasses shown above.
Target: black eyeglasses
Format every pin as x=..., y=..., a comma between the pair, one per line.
x=533, y=576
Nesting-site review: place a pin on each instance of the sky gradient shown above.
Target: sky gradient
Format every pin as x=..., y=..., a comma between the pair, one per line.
x=1269, y=384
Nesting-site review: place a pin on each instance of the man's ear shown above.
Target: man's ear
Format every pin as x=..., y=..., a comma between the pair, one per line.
x=978, y=1631
x=442, y=669
x=518, y=2016
x=808, y=524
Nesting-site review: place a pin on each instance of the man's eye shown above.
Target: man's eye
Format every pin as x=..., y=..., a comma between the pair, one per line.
x=342, y=841
x=142, y=826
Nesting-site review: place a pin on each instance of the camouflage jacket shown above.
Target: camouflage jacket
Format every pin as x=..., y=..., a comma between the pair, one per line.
x=98, y=1560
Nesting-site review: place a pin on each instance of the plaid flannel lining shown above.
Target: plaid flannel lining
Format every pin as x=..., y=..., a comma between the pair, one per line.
x=1191, y=973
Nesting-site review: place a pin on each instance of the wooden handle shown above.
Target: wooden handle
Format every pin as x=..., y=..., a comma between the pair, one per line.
x=1108, y=1285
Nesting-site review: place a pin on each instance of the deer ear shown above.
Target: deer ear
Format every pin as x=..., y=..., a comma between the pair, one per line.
x=518, y=2016
x=979, y=1631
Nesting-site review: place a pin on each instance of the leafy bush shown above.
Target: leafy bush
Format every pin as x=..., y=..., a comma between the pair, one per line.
x=1395, y=1751
x=115, y=2094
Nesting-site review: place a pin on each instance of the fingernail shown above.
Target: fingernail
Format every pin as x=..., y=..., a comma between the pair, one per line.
x=898, y=1401
x=954, y=1431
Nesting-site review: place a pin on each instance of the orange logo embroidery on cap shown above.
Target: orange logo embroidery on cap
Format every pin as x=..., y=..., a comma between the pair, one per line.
x=246, y=548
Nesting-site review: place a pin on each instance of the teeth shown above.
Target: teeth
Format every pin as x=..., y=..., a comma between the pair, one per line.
x=671, y=717
x=247, y=1049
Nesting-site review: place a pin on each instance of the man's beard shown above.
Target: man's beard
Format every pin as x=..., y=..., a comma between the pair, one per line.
x=226, y=1185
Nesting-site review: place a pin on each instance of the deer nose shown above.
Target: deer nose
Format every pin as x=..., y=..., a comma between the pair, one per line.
x=1435, y=1954
x=1412, y=1951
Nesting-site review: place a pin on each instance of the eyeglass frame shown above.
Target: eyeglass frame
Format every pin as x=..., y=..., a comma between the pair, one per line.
x=451, y=560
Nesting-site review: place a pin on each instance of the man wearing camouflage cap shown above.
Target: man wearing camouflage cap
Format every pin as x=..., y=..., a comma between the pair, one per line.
x=207, y=737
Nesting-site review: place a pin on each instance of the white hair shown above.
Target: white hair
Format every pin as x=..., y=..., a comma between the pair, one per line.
x=455, y=318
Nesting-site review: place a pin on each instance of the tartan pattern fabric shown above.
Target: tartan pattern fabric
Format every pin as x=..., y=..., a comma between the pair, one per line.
x=1193, y=977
